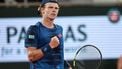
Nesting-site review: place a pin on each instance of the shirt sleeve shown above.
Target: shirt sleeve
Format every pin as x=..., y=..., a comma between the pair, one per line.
x=31, y=37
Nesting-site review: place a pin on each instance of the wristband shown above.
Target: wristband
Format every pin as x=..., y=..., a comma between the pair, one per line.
x=46, y=48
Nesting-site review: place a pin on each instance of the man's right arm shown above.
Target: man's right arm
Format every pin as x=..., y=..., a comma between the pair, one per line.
x=31, y=42
x=34, y=54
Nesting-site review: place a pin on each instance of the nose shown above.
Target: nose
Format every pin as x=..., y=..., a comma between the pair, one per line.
x=54, y=10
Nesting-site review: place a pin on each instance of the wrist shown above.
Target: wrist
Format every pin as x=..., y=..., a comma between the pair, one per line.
x=46, y=48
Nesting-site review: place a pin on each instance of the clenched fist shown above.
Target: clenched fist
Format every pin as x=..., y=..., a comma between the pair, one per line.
x=54, y=42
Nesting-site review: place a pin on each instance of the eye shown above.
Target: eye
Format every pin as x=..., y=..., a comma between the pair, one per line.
x=56, y=7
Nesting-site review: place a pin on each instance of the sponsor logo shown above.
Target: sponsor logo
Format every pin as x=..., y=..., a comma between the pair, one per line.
x=31, y=36
x=114, y=15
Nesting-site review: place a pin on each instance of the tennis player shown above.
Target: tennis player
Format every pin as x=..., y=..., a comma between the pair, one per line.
x=44, y=40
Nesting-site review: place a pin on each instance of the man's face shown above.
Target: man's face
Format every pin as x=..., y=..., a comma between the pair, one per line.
x=50, y=10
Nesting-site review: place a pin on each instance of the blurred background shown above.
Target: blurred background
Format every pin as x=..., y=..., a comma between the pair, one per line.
x=84, y=22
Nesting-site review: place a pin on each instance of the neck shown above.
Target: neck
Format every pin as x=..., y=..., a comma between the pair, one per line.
x=48, y=23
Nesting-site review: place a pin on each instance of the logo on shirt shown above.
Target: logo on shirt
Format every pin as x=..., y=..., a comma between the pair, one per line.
x=31, y=36
x=59, y=35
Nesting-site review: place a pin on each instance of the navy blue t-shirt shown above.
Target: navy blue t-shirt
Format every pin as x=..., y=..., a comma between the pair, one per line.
x=39, y=36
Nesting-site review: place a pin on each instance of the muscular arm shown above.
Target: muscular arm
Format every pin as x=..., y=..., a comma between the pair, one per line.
x=34, y=54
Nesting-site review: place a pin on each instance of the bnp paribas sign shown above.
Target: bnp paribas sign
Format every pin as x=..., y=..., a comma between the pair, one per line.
x=77, y=32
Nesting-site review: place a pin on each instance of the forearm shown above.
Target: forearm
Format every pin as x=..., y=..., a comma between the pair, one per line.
x=35, y=54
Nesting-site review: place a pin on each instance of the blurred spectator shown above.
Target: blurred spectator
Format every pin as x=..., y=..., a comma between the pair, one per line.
x=32, y=0
x=10, y=2
x=20, y=0
x=29, y=0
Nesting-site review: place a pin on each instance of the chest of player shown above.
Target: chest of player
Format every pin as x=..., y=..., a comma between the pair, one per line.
x=45, y=35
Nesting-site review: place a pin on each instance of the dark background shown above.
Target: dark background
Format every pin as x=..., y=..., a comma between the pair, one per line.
x=106, y=64
x=64, y=11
